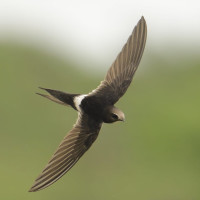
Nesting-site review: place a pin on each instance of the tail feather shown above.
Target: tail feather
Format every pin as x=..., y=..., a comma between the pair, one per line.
x=59, y=97
x=52, y=99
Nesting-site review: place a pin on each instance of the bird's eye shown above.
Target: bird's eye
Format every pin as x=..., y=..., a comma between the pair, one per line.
x=114, y=116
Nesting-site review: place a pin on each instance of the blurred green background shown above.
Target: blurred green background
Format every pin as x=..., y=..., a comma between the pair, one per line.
x=153, y=155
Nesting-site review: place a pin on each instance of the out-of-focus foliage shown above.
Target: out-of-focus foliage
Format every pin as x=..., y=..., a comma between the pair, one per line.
x=153, y=155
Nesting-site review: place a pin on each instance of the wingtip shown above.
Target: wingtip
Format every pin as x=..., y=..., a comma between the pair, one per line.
x=34, y=188
x=142, y=22
x=143, y=19
x=31, y=190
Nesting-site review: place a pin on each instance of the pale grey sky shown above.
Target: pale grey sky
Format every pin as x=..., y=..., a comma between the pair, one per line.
x=94, y=28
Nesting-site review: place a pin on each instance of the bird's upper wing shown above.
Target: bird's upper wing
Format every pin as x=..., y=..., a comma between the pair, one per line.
x=73, y=146
x=120, y=74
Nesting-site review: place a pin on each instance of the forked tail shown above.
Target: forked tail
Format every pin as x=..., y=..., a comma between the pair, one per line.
x=59, y=97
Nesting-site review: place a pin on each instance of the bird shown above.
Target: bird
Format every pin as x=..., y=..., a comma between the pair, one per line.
x=94, y=108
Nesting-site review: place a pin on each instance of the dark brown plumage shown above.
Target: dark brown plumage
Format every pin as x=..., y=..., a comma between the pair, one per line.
x=93, y=109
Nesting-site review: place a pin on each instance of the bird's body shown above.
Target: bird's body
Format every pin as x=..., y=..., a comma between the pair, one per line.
x=93, y=109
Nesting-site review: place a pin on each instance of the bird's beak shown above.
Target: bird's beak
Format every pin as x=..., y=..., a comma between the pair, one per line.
x=122, y=118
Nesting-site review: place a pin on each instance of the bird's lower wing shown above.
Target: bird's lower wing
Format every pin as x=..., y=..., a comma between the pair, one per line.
x=73, y=146
x=120, y=74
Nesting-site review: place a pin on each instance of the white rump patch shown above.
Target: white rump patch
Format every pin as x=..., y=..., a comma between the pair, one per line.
x=77, y=101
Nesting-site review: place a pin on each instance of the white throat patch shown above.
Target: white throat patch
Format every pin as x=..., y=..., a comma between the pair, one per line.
x=77, y=101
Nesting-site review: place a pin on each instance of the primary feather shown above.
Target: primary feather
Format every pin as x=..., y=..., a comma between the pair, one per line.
x=73, y=146
x=120, y=74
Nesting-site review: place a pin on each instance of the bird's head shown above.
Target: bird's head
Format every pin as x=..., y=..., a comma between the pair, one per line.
x=113, y=114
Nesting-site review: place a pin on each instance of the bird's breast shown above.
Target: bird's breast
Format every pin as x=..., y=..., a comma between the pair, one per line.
x=92, y=106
